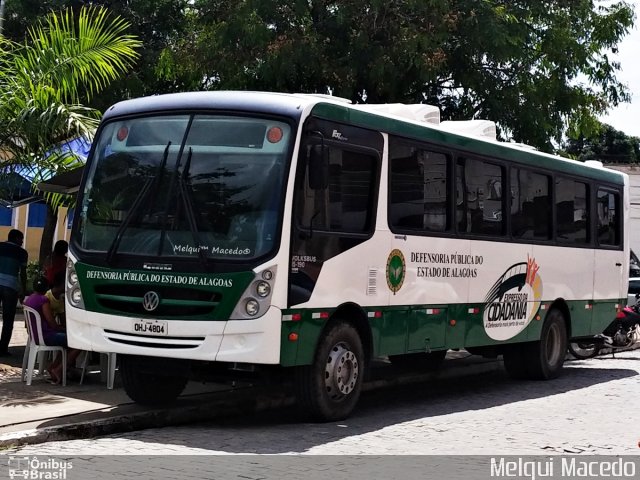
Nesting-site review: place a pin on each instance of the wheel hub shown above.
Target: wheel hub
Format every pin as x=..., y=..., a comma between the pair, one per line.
x=341, y=371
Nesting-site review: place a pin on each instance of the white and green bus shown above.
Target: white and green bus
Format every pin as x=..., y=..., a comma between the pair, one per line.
x=307, y=235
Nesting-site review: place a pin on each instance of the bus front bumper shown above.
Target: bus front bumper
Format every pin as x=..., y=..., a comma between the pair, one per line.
x=242, y=341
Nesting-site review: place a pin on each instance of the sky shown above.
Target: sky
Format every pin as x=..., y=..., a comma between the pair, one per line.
x=626, y=117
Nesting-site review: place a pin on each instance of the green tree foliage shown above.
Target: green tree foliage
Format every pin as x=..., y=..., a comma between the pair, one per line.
x=535, y=67
x=64, y=59
x=539, y=68
x=156, y=23
x=607, y=145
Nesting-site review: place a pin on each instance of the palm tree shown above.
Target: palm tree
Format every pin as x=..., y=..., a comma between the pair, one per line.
x=44, y=84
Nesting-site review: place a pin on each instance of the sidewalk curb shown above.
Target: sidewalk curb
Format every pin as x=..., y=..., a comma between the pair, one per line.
x=209, y=406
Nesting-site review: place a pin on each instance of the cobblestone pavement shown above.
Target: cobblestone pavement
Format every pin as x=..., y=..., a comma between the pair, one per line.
x=591, y=409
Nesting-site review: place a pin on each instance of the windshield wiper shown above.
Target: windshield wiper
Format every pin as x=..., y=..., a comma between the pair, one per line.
x=174, y=176
x=137, y=203
x=184, y=190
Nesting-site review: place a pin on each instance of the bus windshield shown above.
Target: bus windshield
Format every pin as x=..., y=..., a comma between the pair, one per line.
x=185, y=186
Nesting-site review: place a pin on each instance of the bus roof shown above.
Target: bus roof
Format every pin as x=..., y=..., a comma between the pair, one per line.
x=340, y=110
x=433, y=133
x=263, y=102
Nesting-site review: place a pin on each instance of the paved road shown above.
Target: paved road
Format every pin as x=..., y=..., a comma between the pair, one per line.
x=591, y=409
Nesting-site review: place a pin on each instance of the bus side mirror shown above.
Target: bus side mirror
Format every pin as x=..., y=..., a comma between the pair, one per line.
x=318, y=161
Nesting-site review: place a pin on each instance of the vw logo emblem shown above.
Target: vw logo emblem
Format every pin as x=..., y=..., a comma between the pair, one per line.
x=150, y=301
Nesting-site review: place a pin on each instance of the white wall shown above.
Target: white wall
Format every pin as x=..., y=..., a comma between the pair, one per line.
x=634, y=184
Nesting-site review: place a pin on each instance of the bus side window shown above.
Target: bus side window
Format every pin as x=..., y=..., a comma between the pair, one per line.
x=480, y=211
x=418, y=188
x=572, y=211
x=531, y=205
x=345, y=204
x=608, y=224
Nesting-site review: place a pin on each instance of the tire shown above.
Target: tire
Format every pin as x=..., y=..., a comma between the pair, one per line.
x=583, y=351
x=545, y=357
x=420, y=361
x=329, y=388
x=515, y=361
x=148, y=388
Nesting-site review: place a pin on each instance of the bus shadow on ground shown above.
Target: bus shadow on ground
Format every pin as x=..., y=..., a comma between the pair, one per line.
x=283, y=430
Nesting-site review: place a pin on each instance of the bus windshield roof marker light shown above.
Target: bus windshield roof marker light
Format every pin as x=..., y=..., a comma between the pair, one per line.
x=123, y=133
x=274, y=134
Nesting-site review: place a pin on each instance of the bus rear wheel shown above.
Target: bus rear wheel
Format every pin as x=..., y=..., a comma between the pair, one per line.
x=545, y=357
x=541, y=360
x=147, y=387
x=330, y=387
x=515, y=361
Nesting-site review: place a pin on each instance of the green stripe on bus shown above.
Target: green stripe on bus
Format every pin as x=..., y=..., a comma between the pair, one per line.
x=410, y=329
x=226, y=287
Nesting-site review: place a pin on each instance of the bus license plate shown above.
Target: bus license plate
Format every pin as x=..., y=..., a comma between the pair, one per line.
x=150, y=327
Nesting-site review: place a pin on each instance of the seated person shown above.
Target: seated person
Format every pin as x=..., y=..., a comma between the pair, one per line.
x=57, y=261
x=52, y=333
x=56, y=299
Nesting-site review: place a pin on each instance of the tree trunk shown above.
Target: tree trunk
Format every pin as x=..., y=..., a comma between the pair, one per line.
x=46, y=245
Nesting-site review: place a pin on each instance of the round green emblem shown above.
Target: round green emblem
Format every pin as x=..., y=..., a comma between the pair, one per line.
x=395, y=270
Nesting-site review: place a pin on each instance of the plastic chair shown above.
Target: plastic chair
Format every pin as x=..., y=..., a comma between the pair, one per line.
x=40, y=358
x=37, y=346
x=111, y=367
x=40, y=361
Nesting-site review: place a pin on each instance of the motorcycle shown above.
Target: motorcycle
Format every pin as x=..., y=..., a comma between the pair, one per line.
x=622, y=333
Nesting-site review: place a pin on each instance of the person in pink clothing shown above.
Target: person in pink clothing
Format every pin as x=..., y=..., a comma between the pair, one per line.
x=52, y=333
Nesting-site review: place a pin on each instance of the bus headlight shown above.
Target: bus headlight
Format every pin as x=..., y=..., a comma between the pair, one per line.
x=252, y=307
x=72, y=276
x=75, y=297
x=263, y=289
x=256, y=299
x=73, y=292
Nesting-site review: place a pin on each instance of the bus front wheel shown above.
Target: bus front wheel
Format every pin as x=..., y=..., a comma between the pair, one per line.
x=147, y=387
x=329, y=388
